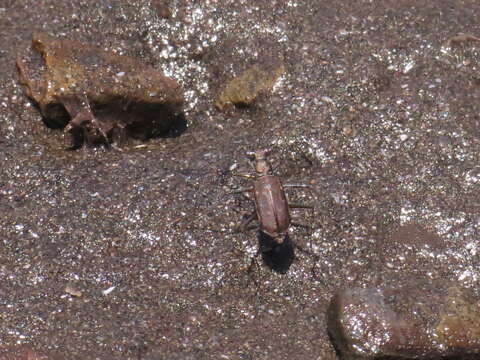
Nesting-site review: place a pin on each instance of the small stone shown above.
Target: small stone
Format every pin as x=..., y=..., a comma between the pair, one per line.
x=421, y=320
x=102, y=96
x=73, y=291
x=108, y=291
x=349, y=130
x=162, y=8
x=244, y=89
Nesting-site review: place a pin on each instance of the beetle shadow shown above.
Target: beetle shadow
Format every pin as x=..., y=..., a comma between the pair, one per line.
x=278, y=257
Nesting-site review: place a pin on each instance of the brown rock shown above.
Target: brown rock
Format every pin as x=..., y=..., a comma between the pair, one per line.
x=98, y=93
x=245, y=88
x=459, y=322
x=21, y=352
x=424, y=320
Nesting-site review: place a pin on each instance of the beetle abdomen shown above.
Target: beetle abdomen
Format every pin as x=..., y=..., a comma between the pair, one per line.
x=271, y=205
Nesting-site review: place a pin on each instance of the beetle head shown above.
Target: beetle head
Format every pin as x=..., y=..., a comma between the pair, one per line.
x=261, y=164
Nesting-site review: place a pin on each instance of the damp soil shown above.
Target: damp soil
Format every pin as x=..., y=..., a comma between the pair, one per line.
x=133, y=254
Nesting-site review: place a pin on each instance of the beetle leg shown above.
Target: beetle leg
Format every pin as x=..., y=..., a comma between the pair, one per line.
x=304, y=186
x=298, y=185
x=243, y=226
x=300, y=206
x=254, y=262
x=300, y=225
x=247, y=176
x=240, y=191
x=305, y=251
x=316, y=259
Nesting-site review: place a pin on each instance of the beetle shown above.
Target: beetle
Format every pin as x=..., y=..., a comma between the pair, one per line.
x=272, y=209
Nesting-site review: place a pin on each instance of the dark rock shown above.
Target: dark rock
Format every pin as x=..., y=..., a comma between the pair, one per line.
x=244, y=89
x=101, y=95
x=423, y=320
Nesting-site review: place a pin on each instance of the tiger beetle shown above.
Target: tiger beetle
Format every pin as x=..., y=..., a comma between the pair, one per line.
x=272, y=210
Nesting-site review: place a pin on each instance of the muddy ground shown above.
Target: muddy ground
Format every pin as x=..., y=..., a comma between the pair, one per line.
x=378, y=109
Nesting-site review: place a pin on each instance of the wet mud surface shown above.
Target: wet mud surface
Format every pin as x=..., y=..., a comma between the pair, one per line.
x=133, y=254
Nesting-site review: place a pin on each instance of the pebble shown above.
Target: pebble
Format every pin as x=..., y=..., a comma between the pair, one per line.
x=424, y=319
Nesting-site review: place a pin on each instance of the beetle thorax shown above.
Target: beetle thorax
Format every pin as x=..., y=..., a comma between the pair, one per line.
x=262, y=167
